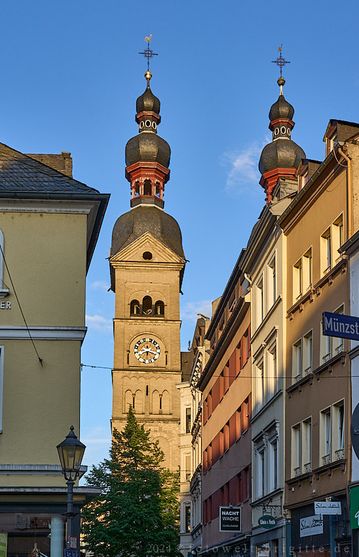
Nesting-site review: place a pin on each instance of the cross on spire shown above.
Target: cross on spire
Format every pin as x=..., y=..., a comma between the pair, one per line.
x=280, y=61
x=148, y=53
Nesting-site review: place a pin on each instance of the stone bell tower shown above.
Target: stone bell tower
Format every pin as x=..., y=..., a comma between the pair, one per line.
x=146, y=264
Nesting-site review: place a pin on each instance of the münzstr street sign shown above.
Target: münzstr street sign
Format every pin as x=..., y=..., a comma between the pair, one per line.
x=338, y=325
x=327, y=507
x=229, y=519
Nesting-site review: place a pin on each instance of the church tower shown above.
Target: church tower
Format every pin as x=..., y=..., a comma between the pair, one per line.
x=147, y=263
x=282, y=156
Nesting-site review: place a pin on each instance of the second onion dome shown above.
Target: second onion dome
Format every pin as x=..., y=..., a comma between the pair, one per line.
x=282, y=156
x=147, y=145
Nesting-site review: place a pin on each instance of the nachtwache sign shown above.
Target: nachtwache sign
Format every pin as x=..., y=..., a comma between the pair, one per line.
x=229, y=519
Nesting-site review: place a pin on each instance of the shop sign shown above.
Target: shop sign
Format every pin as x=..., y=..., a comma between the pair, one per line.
x=267, y=521
x=229, y=519
x=354, y=507
x=338, y=325
x=5, y=305
x=327, y=507
x=3, y=545
x=311, y=526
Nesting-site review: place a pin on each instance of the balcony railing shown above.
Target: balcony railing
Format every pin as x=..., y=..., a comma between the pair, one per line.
x=307, y=467
x=326, y=459
x=339, y=454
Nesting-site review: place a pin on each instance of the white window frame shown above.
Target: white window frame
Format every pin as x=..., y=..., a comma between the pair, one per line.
x=326, y=436
x=260, y=307
x=297, y=360
x=271, y=281
x=297, y=280
x=338, y=430
x=271, y=370
x=307, y=270
x=273, y=468
x=307, y=352
x=307, y=443
x=326, y=252
x=296, y=438
x=337, y=237
x=260, y=468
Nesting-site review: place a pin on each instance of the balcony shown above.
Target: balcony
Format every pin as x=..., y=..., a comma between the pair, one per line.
x=298, y=471
x=307, y=468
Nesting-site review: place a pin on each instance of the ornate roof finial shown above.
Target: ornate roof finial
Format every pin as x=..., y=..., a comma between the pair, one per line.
x=148, y=54
x=280, y=61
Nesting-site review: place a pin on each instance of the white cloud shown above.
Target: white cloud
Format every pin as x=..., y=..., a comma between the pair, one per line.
x=242, y=167
x=99, y=285
x=98, y=322
x=190, y=310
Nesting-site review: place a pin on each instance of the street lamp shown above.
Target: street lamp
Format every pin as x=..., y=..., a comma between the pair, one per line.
x=71, y=452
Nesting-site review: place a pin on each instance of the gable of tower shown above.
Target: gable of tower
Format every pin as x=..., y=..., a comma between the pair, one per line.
x=146, y=249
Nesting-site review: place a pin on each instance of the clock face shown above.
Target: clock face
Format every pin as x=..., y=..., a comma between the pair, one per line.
x=147, y=350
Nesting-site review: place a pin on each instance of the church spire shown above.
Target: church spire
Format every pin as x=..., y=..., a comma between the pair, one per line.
x=147, y=154
x=282, y=156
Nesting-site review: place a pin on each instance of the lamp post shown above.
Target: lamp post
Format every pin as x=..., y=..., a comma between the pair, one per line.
x=71, y=452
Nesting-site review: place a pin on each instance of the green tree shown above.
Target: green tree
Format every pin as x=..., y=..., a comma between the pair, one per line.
x=136, y=514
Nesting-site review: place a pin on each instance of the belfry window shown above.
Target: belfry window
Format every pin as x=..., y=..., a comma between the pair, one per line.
x=147, y=305
x=159, y=308
x=135, y=308
x=158, y=189
x=147, y=187
x=137, y=188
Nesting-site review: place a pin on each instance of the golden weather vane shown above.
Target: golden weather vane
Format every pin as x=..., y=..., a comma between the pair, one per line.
x=148, y=53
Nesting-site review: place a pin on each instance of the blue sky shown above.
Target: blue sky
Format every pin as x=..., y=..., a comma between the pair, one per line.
x=70, y=75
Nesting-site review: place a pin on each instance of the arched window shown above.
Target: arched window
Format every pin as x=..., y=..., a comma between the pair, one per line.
x=135, y=308
x=147, y=187
x=159, y=308
x=165, y=402
x=128, y=400
x=155, y=402
x=139, y=402
x=137, y=188
x=158, y=189
x=147, y=305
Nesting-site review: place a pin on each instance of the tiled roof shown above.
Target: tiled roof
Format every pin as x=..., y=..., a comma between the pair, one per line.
x=20, y=173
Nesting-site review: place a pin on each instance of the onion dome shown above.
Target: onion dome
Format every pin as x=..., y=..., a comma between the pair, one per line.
x=282, y=156
x=281, y=109
x=148, y=147
x=147, y=154
x=148, y=102
x=136, y=222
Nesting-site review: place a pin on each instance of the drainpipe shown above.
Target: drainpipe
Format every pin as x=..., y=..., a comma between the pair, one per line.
x=349, y=192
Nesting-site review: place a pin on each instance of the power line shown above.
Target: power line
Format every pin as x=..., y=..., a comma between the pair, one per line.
x=278, y=377
x=20, y=306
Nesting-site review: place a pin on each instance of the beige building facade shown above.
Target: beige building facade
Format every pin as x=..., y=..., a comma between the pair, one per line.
x=318, y=399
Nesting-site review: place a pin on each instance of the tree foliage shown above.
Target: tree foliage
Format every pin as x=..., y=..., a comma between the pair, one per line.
x=136, y=514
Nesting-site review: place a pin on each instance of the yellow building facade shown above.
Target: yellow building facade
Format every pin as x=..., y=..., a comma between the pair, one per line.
x=49, y=225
